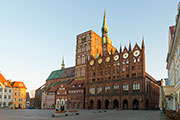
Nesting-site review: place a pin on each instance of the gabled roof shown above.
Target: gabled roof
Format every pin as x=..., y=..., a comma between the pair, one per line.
x=4, y=81
x=18, y=84
x=62, y=73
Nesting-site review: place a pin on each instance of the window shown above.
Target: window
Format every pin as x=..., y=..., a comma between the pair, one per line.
x=83, y=72
x=0, y=96
x=127, y=75
x=92, y=90
x=79, y=85
x=116, y=87
x=118, y=64
x=9, y=96
x=78, y=73
x=20, y=84
x=125, y=87
x=134, y=75
x=5, y=96
x=9, y=90
x=15, y=93
x=117, y=70
x=123, y=69
x=4, y=103
x=19, y=99
x=5, y=83
x=99, y=90
x=134, y=60
x=133, y=68
x=107, y=88
x=73, y=86
x=1, y=89
x=5, y=90
x=83, y=59
x=14, y=99
x=136, y=86
x=138, y=60
x=9, y=103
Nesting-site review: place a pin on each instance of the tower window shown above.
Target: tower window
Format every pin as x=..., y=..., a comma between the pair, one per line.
x=134, y=75
x=133, y=68
x=127, y=75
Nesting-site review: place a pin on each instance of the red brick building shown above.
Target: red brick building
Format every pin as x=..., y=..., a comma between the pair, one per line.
x=76, y=95
x=118, y=80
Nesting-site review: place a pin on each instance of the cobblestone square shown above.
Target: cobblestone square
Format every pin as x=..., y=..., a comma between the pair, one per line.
x=34, y=114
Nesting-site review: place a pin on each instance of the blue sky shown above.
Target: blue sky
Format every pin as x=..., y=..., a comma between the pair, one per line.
x=34, y=35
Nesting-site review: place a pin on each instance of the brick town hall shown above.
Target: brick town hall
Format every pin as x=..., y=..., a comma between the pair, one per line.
x=102, y=78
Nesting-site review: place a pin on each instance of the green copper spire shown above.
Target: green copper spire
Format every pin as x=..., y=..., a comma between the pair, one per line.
x=104, y=29
x=62, y=65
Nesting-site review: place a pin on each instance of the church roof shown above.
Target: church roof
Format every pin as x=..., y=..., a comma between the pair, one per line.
x=57, y=85
x=62, y=73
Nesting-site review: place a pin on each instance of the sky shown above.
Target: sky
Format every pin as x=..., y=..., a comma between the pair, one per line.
x=36, y=34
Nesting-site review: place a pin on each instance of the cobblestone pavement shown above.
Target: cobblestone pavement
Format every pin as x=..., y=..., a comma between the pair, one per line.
x=34, y=114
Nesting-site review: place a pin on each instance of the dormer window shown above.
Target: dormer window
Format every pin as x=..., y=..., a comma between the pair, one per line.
x=20, y=84
x=5, y=83
x=79, y=85
x=73, y=86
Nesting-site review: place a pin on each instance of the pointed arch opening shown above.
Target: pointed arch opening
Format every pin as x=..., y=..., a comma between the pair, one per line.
x=91, y=104
x=135, y=104
x=98, y=104
x=125, y=104
x=115, y=104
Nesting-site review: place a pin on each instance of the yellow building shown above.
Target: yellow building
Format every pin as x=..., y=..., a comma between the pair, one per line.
x=19, y=95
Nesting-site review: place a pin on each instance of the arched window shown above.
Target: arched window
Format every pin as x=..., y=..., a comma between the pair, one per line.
x=136, y=86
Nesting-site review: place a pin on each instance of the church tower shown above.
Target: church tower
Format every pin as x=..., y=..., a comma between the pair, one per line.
x=106, y=41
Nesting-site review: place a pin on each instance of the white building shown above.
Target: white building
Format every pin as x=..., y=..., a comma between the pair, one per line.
x=173, y=62
x=6, y=93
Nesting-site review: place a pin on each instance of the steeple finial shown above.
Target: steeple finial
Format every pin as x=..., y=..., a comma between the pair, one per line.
x=62, y=65
x=104, y=29
x=120, y=49
x=143, y=46
x=129, y=45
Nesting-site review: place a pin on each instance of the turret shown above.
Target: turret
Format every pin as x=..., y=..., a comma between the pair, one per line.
x=62, y=65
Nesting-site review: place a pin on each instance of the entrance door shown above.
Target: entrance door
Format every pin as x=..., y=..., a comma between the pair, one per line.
x=91, y=104
x=115, y=104
x=107, y=104
x=135, y=104
x=125, y=104
x=98, y=104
